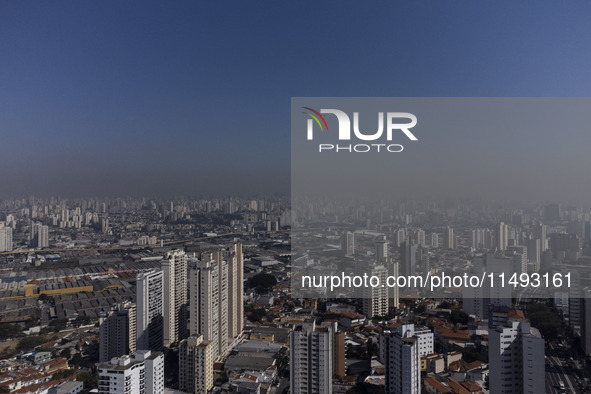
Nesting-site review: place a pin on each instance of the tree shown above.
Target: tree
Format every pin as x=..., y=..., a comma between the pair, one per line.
x=458, y=316
x=65, y=373
x=10, y=331
x=29, y=343
x=420, y=309
x=544, y=319
x=445, y=305
x=66, y=354
x=262, y=282
x=59, y=324
x=90, y=381
x=76, y=360
x=257, y=315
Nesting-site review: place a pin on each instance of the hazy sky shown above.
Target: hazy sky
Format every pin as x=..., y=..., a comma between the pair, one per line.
x=145, y=98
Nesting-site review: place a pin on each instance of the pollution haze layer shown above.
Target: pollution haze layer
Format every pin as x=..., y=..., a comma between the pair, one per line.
x=150, y=98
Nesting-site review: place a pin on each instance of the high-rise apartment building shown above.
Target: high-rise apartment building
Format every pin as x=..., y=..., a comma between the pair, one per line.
x=39, y=235
x=408, y=257
x=150, y=313
x=5, y=239
x=434, y=242
x=516, y=358
x=393, y=291
x=235, y=262
x=586, y=321
x=381, y=249
x=196, y=365
x=399, y=237
x=449, y=239
x=502, y=236
x=375, y=300
x=348, y=243
x=399, y=352
x=117, y=331
x=174, y=268
x=141, y=372
x=208, y=300
x=311, y=359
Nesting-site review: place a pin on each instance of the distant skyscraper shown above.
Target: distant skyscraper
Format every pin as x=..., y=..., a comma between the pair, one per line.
x=408, y=257
x=117, y=332
x=540, y=231
x=552, y=212
x=39, y=235
x=502, y=236
x=477, y=299
x=519, y=254
x=399, y=352
x=565, y=247
x=196, y=365
x=449, y=239
x=425, y=260
x=434, y=240
x=150, y=313
x=142, y=372
x=399, y=236
x=381, y=249
x=311, y=359
x=348, y=243
x=418, y=236
x=5, y=239
x=496, y=265
x=480, y=238
x=105, y=226
x=516, y=359
x=534, y=254
x=394, y=291
x=174, y=268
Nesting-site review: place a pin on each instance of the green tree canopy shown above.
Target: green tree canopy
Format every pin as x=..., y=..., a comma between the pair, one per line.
x=262, y=282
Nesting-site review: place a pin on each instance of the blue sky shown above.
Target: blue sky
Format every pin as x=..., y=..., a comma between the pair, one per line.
x=109, y=97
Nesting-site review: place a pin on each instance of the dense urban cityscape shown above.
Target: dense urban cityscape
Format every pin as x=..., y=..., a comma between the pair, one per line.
x=200, y=295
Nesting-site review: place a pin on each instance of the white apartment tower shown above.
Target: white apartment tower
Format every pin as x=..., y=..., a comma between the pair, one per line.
x=399, y=352
x=449, y=239
x=5, y=239
x=381, y=249
x=348, y=243
x=434, y=242
x=140, y=373
x=174, y=268
x=516, y=359
x=424, y=337
x=311, y=359
x=196, y=365
x=375, y=300
x=150, y=313
x=502, y=236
